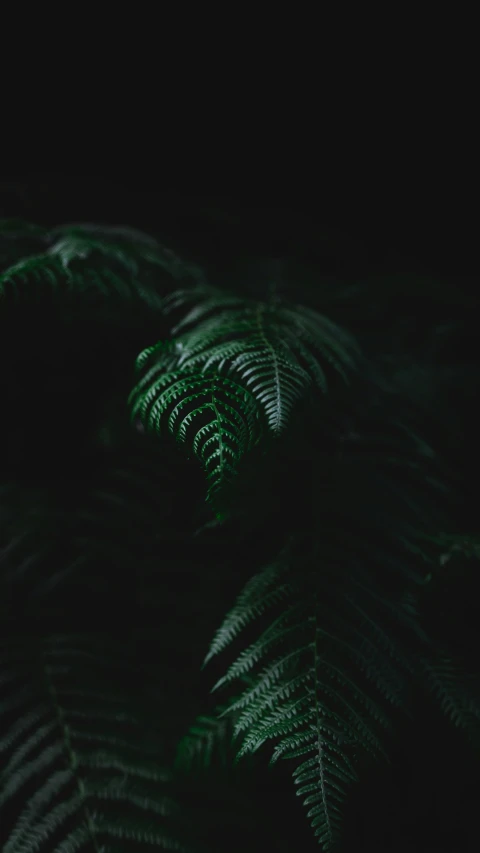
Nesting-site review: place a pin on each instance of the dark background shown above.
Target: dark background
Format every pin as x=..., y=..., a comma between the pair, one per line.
x=369, y=225
x=428, y=799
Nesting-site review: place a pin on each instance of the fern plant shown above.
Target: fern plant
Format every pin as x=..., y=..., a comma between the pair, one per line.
x=334, y=651
x=329, y=639
x=238, y=360
x=329, y=673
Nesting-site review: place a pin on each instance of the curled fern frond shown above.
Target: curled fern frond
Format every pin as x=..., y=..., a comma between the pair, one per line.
x=214, y=414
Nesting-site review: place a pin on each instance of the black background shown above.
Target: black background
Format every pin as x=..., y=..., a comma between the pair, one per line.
x=370, y=224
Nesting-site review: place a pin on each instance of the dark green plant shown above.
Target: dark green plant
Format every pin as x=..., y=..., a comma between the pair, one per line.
x=333, y=509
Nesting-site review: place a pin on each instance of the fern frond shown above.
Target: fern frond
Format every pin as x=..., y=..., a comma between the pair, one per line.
x=275, y=349
x=309, y=675
x=213, y=413
x=88, y=259
x=81, y=746
x=339, y=633
x=131, y=250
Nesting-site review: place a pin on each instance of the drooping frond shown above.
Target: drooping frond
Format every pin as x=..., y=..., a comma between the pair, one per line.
x=275, y=349
x=78, y=765
x=339, y=636
x=214, y=414
x=314, y=671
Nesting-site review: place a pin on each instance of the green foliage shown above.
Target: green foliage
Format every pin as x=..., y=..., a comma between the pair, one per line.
x=334, y=440
x=273, y=353
x=98, y=779
x=86, y=260
x=330, y=658
x=275, y=348
x=215, y=415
